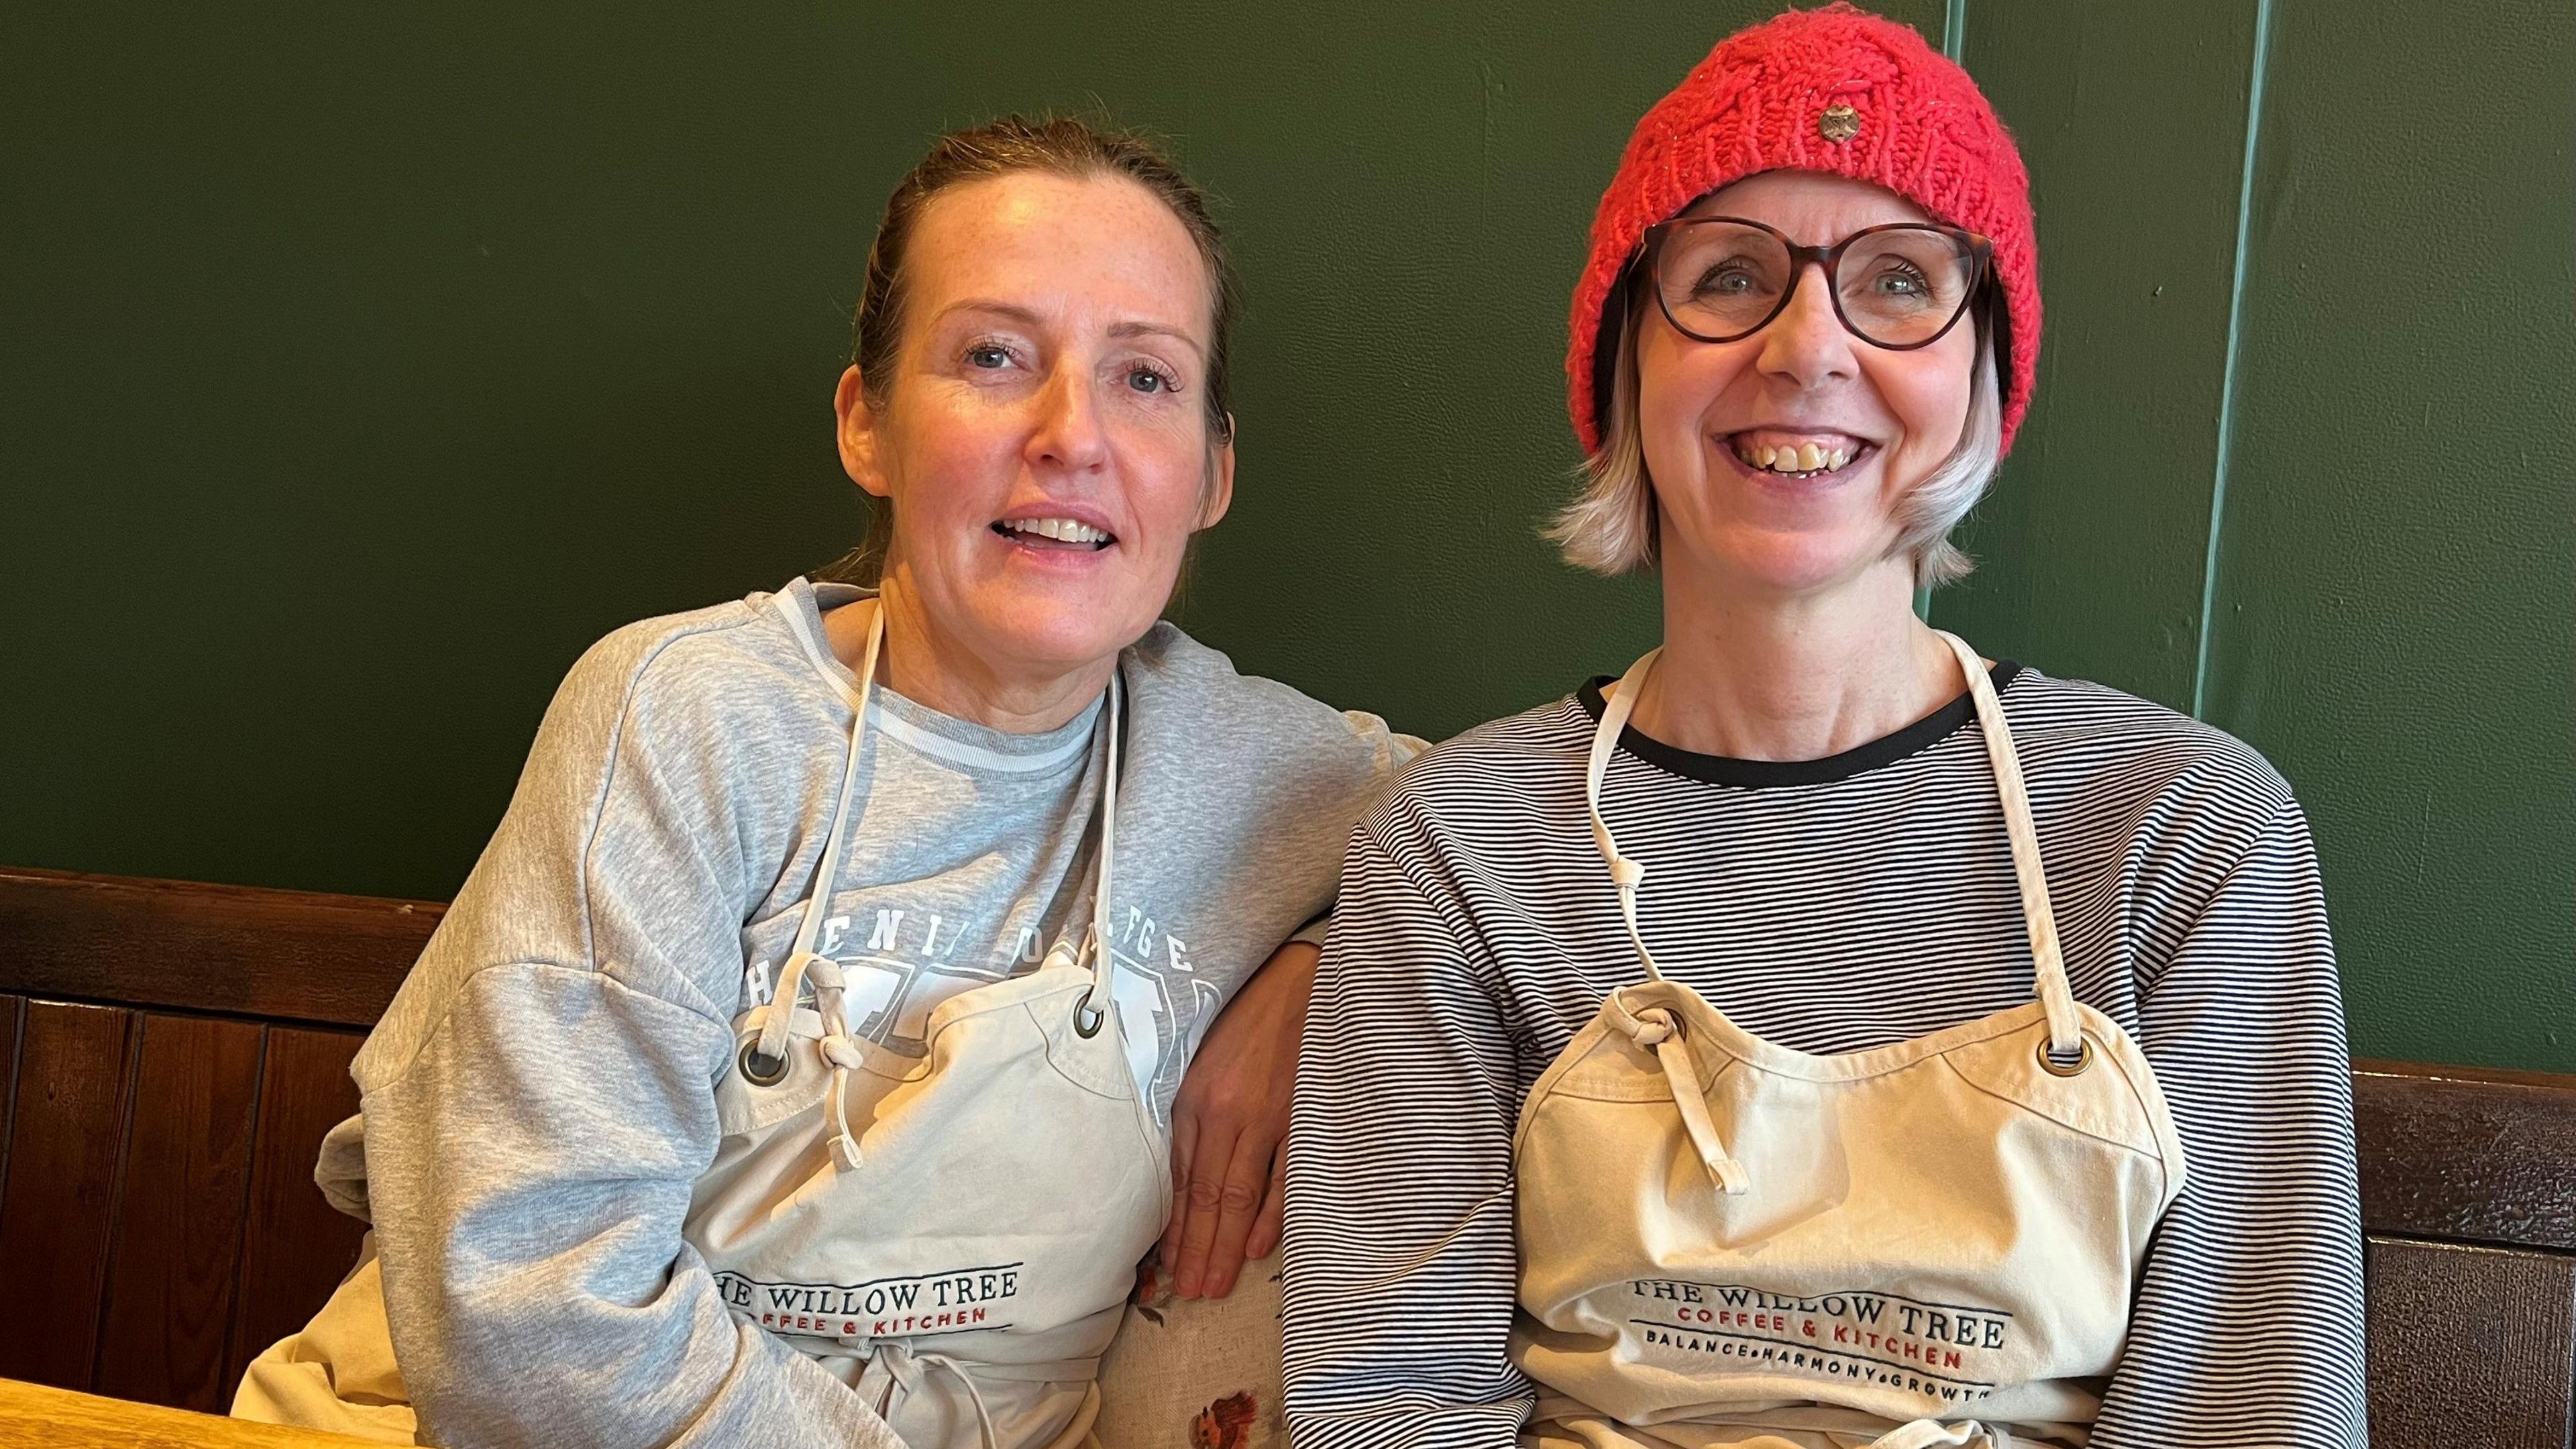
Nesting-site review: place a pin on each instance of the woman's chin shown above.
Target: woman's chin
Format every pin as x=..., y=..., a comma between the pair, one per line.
x=1787, y=563
x=1065, y=629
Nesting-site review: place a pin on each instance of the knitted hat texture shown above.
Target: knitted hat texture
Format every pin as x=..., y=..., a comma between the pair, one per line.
x=1833, y=90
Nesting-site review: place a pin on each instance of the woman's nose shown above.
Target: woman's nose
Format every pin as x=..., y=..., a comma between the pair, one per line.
x=1069, y=433
x=1807, y=342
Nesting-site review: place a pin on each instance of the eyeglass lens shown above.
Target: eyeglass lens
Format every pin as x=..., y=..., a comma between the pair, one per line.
x=1898, y=288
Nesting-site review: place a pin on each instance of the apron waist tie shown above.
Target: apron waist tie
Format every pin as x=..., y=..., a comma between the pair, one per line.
x=909, y=1368
x=1655, y=1027
x=1929, y=1433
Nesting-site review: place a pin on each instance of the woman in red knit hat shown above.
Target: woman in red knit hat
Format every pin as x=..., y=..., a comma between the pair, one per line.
x=1822, y=1035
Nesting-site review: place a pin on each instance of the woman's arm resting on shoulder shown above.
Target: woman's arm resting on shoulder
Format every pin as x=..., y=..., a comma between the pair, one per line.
x=1230, y=1119
x=1402, y=1265
x=2248, y=1324
x=1230, y=1129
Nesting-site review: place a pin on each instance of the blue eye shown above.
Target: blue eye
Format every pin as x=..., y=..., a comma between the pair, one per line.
x=987, y=356
x=1147, y=380
x=1725, y=281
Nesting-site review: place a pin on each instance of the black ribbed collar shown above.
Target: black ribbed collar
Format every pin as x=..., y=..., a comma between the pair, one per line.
x=1758, y=774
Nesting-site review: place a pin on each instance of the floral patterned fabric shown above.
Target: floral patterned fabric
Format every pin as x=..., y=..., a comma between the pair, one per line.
x=1195, y=1373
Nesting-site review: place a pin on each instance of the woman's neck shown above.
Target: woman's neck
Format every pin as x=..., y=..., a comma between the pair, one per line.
x=1771, y=677
x=933, y=667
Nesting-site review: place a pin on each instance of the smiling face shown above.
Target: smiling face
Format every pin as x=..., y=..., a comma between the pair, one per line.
x=1778, y=459
x=1044, y=438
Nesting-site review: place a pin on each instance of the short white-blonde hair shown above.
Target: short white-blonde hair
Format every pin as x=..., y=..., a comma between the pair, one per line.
x=1611, y=528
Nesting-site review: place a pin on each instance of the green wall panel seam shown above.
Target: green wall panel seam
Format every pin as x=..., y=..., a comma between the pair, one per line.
x=2224, y=452
x=1954, y=34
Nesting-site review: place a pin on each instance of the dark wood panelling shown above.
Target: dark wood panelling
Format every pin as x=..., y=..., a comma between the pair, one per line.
x=61, y=1196
x=2476, y=1154
x=294, y=955
x=2470, y=1345
x=295, y=1247
x=177, y=1237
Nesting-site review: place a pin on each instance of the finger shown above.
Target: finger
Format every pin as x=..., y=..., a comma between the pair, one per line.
x=1274, y=1206
x=1247, y=1183
x=1185, y=1138
x=1210, y=1179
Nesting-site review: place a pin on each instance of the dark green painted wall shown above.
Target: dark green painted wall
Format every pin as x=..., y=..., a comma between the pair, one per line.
x=365, y=362
x=2304, y=459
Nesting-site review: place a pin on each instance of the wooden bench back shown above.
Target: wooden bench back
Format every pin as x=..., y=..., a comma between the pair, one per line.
x=176, y=1051
x=174, y=1054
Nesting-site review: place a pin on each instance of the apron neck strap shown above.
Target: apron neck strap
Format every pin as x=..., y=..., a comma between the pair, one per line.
x=1103, y=962
x=2048, y=963
x=809, y=929
x=1617, y=703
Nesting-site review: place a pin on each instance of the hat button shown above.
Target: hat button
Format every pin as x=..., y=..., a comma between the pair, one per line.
x=1839, y=123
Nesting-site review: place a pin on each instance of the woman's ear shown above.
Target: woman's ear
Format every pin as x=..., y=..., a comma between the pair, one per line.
x=856, y=431
x=1219, y=495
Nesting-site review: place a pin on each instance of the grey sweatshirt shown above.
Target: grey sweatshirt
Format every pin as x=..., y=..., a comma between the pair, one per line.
x=538, y=1101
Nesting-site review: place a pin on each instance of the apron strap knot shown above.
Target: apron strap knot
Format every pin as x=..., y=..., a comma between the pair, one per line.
x=782, y=1007
x=844, y=1055
x=840, y=1051
x=1646, y=1028
x=1657, y=1027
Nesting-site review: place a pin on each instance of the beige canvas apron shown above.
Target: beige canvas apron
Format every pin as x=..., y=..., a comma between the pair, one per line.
x=955, y=1235
x=1726, y=1242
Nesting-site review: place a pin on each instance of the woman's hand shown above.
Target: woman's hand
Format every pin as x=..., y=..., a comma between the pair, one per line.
x=1230, y=1129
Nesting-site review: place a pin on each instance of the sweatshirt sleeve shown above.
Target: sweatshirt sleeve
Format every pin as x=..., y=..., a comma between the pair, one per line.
x=2248, y=1323
x=539, y=1101
x=1390, y=753
x=1400, y=1247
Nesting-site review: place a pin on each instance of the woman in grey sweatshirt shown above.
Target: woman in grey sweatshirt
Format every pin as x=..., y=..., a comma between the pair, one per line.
x=754, y=1090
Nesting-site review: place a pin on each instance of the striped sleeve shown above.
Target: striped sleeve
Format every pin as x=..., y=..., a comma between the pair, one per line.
x=2248, y=1324
x=1399, y=1210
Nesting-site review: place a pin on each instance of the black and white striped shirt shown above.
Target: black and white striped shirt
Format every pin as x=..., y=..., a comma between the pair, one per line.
x=1829, y=905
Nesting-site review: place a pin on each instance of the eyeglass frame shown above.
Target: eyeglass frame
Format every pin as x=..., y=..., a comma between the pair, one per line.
x=1981, y=255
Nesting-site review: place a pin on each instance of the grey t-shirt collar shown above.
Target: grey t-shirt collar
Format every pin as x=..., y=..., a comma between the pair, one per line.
x=941, y=736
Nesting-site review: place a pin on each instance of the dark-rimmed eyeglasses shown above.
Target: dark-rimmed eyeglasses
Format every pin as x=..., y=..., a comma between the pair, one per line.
x=1899, y=286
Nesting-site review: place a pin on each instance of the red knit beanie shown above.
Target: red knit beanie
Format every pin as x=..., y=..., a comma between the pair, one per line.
x=1832, y=90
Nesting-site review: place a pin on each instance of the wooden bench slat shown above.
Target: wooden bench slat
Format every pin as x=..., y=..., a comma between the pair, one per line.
x=295, y=1247
x=59, y=1209
x=179, y=1224
x=2478, y=1155
x=2470, y=1345
x=240, y=950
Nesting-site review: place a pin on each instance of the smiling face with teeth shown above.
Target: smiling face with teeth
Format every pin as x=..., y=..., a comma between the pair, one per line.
x=1778, y=459
x=1044, y=441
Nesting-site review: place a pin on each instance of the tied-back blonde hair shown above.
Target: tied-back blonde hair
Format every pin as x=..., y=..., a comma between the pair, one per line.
x=1612, y=527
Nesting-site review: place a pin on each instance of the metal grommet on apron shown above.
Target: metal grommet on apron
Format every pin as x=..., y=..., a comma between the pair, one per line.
x=1929, y=1243
x=758, y=1070
x=2048, y=1057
